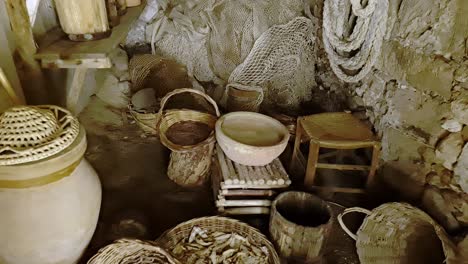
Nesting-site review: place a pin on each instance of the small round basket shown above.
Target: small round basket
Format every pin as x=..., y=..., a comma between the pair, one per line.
x=398, y=233
x=132, y=251
x=170, y=238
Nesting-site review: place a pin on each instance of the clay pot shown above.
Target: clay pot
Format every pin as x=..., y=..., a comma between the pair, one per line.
x=251, y=139
x=49, y=205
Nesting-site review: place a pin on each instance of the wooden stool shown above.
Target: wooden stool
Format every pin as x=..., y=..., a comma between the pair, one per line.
x=335, y=131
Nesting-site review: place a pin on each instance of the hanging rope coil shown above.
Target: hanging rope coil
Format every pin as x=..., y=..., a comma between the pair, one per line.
x=352, y=34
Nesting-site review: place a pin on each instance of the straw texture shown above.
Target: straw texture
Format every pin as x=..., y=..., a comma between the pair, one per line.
x=172, y=237
x=392, y=233
x=171, y=117
x=31, y=133
x=132, y=251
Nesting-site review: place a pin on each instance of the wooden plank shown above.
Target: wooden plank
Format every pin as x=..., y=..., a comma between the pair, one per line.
x=225, y=186
x=244, y=210
x=75, y=90
x=65, y=49
x=31, y=76
x=342, y=166
x=6, y=61
x=248, y=193
x=223, y=165
x=246, y=203
x=9, y=89
x=232, y=172
x=97, y=63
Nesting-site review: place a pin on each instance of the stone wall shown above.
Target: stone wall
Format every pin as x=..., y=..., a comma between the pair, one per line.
x=417, y=99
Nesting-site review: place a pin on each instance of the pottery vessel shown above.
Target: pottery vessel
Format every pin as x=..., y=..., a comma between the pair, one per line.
x=250, y=138
x=49, y=206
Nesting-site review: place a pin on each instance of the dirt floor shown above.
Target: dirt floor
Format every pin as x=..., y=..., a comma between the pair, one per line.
x=138, y=198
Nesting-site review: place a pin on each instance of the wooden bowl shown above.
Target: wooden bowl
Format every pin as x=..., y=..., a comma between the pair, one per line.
x=250, y=138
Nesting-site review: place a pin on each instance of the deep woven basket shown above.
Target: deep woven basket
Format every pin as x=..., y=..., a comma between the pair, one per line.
x=172, y=237
x=389, y=232
x=132, y=251
x=171, y=117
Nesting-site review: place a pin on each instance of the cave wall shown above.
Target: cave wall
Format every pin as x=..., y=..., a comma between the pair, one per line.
x=417, y=99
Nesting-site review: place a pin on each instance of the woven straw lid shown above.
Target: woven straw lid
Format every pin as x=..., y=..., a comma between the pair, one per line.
x=32, y=133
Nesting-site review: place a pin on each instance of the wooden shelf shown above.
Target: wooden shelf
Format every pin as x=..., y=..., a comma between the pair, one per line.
x=58, y=51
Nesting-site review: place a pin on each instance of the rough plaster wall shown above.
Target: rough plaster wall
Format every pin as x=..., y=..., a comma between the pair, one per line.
x=417, y=98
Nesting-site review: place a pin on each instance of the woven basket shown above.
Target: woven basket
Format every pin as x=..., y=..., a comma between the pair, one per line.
x=147, y=121
x=189, y=164
x=171, y=117
x=392, y=234
x=132, y=251
x=32, y=133
x=141, y=67
x=169, y=239
x=241, y=98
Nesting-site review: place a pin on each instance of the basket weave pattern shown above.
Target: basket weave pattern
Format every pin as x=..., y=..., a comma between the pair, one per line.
x=132, y=251
x=172, y=237
x=389, y=231
x=171, y=117
x=140, y=66
x=32, y=133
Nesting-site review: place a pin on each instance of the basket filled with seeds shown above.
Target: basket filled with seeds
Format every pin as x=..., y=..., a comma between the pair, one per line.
x=218, y=240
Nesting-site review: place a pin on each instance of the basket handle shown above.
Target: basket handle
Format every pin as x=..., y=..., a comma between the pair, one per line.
x=347, y=211
x=188, y=90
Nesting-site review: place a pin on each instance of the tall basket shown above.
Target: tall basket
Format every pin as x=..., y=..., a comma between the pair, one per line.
x=189, y=163
x=398, y=233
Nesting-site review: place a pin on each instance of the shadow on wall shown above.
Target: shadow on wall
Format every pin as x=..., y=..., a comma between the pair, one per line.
x=404, y=179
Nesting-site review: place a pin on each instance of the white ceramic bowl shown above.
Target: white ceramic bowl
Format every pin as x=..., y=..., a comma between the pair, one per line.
x=250, y=138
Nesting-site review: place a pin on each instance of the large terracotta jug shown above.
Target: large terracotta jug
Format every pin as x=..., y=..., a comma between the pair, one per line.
x=50, y=196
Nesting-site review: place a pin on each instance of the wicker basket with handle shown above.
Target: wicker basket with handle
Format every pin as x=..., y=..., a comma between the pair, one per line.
x=169, y=239
x=189, y=163
x=398, y=233
x=132, y=251
x=141, y=67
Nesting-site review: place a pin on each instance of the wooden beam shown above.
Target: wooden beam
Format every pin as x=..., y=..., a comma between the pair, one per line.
x=9, y=89
x=74, y=93
x=6, y=60
x=29, y=70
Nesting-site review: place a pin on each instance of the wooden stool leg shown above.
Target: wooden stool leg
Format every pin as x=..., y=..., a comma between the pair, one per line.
x=297, y=143
x=374, y=164
x=312, y=163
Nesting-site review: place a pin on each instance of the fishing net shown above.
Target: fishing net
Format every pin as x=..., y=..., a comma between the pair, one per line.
x=281, y=61
x=213, y=37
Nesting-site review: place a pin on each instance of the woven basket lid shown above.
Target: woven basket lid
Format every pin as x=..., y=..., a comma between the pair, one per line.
x=32, y=133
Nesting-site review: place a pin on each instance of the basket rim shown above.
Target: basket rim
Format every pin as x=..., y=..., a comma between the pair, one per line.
x=192, y=222
x=327, y=206
x=183, y=148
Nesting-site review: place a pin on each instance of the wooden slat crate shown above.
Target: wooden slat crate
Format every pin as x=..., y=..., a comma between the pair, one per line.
x=240, y=189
